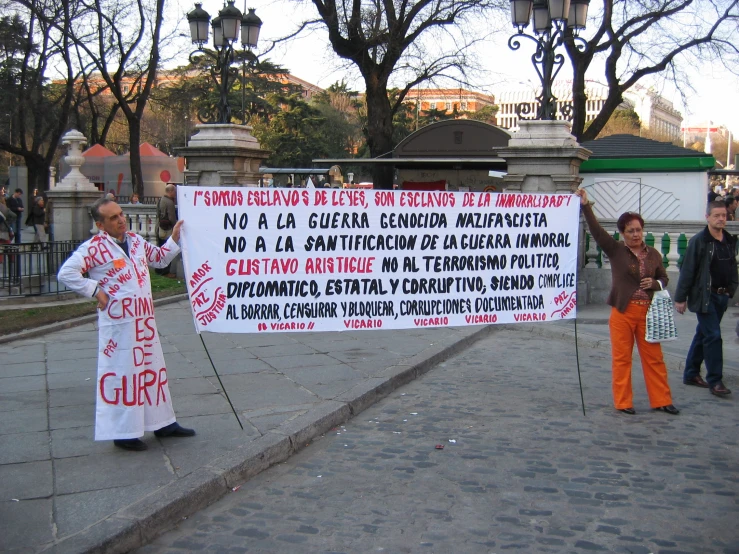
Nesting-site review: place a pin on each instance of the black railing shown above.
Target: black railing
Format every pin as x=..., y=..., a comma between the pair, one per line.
x=30, y=269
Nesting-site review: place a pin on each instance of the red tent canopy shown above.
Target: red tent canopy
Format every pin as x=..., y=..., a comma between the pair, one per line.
x=147, y=149
x=97, y=151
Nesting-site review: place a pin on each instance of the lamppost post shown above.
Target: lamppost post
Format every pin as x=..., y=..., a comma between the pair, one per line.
x=226, y=27
x=221, y=153
x=250, y=27
x=550, y=19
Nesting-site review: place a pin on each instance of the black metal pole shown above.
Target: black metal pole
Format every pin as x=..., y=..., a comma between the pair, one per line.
x=547, y=103
x=243, y=89
x=579, y=377
x=225, y=58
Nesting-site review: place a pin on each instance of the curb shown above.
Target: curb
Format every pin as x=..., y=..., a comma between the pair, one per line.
x=138, y=524
x=69, y=323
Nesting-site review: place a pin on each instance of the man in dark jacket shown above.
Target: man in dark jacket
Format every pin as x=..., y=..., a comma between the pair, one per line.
x=708, y=278
x=166, y=218
x=15, y=205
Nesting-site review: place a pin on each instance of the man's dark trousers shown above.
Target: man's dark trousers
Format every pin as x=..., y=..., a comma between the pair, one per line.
x=18, y=227
x=707, y=344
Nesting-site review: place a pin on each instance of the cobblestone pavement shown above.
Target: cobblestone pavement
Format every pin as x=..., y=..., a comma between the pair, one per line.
x=521, y=469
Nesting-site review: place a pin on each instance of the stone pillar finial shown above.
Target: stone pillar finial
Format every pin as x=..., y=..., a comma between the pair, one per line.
x=75, y=180
x=72, y=196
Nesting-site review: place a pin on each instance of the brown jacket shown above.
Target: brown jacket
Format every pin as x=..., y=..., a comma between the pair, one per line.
x=624, y=264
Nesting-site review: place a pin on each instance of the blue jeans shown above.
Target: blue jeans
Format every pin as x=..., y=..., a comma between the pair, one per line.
x=707, y=344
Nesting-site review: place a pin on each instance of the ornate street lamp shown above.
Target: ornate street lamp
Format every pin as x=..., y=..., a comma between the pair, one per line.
x=226, y=28
x=550, y=19
x=250, y=26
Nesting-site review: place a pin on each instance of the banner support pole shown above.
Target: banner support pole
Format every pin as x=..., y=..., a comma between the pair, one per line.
x=221, y=382
x=579, y=378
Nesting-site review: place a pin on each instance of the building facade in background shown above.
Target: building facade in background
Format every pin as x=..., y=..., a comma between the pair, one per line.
x=448, y=99
x=657, y=114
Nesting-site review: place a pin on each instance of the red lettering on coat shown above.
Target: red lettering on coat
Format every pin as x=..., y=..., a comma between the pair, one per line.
x=102, y=390
x=162, y=382
x=145, y=329
x=144, y=383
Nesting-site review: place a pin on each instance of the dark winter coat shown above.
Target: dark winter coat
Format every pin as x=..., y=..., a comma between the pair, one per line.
x=694, y=283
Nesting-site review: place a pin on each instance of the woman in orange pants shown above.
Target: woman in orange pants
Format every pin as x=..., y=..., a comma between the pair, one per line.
x=636, y=271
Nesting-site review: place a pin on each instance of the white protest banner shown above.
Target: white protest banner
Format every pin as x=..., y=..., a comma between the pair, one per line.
x=335, y=260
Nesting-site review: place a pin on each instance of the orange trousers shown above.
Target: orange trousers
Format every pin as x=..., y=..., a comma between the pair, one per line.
x=625, y=327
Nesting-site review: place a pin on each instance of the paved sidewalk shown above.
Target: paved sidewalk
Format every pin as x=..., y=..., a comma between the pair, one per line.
x=63, y=492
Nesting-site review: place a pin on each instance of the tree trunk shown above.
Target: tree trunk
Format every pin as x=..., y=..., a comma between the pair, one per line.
x=610, y=105
x=102, y=139
x=379, y=131
x=579, y=98
x=38, y=174
x=134, y=139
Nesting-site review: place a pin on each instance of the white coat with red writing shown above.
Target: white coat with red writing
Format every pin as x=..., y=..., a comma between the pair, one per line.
x=132, y=391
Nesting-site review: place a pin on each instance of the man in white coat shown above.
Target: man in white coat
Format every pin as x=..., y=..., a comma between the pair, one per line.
x=132, y=391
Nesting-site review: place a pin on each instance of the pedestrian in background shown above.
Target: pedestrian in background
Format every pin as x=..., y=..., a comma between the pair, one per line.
x=134, y=199
x=15, y=205
x=636, y=272
x=7, y=221
x=37, y=219
x=731, y=204
x=7, y=224
x=49, y=221
x=166, y=220
x=708, y=278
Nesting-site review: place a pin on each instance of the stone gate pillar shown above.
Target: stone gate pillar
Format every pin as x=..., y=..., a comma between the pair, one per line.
x=223, y=154
x=543, y=156
x=72, y=196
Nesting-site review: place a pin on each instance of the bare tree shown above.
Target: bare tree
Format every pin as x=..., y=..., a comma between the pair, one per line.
x=94, y=109
x=410, y=41
x=638, y=38
x=37, y=109
x=126, y=56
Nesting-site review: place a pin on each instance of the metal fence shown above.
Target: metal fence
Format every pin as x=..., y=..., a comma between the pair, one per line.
x=30, y=269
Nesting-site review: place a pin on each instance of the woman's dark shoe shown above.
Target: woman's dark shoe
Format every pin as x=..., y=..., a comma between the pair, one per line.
x=630, y=411
x=131, y=444
x=670, y=409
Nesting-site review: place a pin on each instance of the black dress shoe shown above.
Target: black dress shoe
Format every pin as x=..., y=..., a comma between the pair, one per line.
x=696, y=381
x=630, y=411
x=131, y=444
x=720, y=390
x=670, y=409
x=174, y=430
